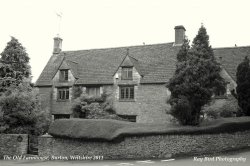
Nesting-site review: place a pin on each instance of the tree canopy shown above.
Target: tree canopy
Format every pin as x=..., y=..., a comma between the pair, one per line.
x=196, y=78
x=14, y=64
x=243, y=86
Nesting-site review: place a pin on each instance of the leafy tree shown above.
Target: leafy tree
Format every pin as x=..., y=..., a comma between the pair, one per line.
x=196, y=78
x=21, y=112
x=14, y=65
x=243, y=86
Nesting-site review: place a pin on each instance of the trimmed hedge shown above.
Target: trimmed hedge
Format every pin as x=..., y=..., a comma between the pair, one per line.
x=108, y=130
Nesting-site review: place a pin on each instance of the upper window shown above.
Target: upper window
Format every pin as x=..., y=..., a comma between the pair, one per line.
x=63, y=94
x=127, y=93
x=127, y=73
x=93, y=91
x=64, y=75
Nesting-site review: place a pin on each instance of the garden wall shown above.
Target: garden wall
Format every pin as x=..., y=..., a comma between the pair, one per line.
x=13, y=144
x=151, y=146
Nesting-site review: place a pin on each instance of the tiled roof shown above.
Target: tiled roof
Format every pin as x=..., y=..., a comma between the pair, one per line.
x=97, y=66
x=155, y=63
x=231, y=57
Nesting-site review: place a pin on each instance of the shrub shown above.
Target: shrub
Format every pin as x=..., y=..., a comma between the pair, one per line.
x=212, y=113
x=92, y=107
x=107, y=130
x=230, y=108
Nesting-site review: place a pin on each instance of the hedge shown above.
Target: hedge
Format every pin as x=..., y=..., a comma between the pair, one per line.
x=108, y=130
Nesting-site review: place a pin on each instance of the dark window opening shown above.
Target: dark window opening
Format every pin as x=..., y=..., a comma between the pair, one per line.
x=93, y=91
x=64, y=75
x=61, y=116
x=127, y=93
x=63, y=94
x=127, y=73
x=131, y=118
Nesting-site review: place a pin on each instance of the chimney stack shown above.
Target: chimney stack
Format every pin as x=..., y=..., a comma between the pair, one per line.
x=179, y=35
x=57, y=45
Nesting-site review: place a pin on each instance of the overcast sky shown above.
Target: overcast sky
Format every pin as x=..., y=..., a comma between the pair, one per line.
x=88, y=24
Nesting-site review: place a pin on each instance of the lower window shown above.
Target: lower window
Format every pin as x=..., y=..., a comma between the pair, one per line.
x=63, y=93
x=93, y=91
x=131, y=118
x=61, y=116
x=127, y=93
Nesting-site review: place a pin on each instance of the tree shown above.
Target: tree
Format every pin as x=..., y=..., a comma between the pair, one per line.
x=14, y=65
x=243, y=86
x=21, y=111
x=196, y=78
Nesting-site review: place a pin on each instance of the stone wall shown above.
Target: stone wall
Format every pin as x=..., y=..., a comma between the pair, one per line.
x=13, y=144
x=46, y=95
x=145, y=147
x=62, y=107
x=149, y=104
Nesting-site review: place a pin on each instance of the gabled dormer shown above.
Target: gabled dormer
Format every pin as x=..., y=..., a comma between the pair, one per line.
x=128, y=70
x=66, y=74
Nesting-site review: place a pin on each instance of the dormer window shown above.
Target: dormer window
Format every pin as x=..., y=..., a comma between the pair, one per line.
x=64, y=75
x=127, y=73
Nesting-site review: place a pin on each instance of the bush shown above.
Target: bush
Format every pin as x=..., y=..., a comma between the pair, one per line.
x=212, y=113
x=92, y=107
x=21, y=112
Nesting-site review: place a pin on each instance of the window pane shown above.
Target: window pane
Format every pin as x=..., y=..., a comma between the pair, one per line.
x=122, y=93
x=63, y=94
x=60, y=95
x=127, y=73
x=130, y=74
x=93, y=91
x=127, y=93
x=67, y=94
x=131, y=93
x=63, y=76
x=66, y=75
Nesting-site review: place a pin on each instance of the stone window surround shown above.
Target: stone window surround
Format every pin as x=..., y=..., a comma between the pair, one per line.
x=130, y=97
x=62, y=93
x=127, y=73
x=63, y=75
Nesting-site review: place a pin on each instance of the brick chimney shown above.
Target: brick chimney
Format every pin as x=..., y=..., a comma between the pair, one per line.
x=57, y=45
x=179, y=35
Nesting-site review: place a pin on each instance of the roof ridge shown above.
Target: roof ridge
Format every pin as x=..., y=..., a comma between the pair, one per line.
x=117, y=47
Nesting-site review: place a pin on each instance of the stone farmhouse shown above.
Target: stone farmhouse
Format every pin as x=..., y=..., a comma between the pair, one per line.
x=135, y=76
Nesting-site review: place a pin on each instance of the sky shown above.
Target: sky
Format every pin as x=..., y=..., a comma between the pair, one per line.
x=90, y=24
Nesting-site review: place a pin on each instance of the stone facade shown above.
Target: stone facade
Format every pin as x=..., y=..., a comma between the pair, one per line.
x=149, y=104
x=145, y=147
x=13, y=144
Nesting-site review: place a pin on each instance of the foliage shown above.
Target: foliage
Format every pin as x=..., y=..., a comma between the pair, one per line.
x=212, y=113
x=108, y=130
x=21, y=112
x=196, y=78
x=218, y=108
x=14, y=64
x=182, y=54
x=243, y=86
x=94, y=107
x=77, y=91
